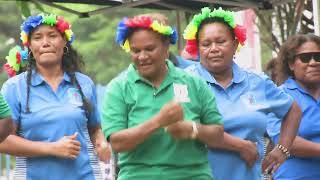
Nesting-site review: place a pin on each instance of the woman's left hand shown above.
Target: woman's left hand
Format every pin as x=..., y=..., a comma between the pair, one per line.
x=273, y=160
x=103, y=150
x=180, y=130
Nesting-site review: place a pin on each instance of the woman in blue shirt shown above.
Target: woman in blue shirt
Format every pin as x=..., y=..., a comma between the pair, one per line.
x=53, y=108
x=245, y=100
x=299, y=73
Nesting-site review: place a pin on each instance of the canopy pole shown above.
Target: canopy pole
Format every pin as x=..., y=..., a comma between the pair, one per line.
x=316, y=14
x=178, y=16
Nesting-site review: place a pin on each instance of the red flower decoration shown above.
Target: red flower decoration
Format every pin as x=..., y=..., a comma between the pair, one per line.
x=62, y=25
x=191, y=48
x=10, y=71
x=240, y=33
x=18, y=57
x=140, y=21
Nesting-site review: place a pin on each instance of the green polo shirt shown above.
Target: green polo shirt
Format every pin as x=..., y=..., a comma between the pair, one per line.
x=130, y=100
x=4, y=108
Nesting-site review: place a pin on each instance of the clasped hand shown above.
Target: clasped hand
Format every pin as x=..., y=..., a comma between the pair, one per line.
x=171, y=119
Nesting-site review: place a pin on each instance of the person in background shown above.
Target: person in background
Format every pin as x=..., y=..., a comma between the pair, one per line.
x=270, y=69
x=56, y=123
x=298, y=73
x=245, y=99
x=179, y=61
x=157, y=117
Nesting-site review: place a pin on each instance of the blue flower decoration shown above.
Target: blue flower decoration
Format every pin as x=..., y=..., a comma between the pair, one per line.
x=31, y=22
x=23, y=53
x=174, y=36
x=122, y=31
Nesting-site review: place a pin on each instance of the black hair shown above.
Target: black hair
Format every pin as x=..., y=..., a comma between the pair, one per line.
x=71, y=63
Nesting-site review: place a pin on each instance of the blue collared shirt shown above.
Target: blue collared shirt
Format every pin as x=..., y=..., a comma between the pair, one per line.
x=245, y=106
x=183, y=63
x=296, y=168
x=54, y=114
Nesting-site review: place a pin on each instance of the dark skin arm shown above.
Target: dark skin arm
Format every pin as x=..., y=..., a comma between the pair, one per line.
x=100, y=144
x=304, y=148
x=6, y=128
x=128, y=139
x=247, y=149
x=66, y=147
x=289, y=128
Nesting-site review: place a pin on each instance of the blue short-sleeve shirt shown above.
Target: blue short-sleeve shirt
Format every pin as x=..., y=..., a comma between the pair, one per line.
x=245, y=106
x=54, y=115
x=296, y=168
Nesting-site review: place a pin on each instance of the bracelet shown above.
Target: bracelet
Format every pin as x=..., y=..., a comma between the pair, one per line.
x=194, y=133
x=284, y=150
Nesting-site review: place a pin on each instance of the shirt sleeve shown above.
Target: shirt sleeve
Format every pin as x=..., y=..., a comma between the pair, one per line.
x=4, y=108
x=278, y=100
x=114, y=110
x=11, y=94
x=209, y=113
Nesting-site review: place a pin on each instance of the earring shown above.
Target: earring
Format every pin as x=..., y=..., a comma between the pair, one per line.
x=65, y=50
x=30, y=55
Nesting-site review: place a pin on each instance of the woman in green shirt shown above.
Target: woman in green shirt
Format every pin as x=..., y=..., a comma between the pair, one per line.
x=158, y=118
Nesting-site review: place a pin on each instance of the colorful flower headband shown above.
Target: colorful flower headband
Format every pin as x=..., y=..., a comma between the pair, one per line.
x=146, y=22
x=192, y=28
x=50, y=19
x=17, y=59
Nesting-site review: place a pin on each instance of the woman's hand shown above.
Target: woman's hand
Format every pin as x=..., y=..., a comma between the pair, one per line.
x=66, y=147
x=180, y=130
x=249, y=152
x=103, y=150
x=273, y=160
x=170, y=113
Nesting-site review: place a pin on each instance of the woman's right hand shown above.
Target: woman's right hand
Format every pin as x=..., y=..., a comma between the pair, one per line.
x=249, y=152
x=170, y=113
x=67, y=147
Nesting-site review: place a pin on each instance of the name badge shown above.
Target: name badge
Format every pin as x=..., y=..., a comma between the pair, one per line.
x=74, y=97
x=180, y=93
x=251, y=102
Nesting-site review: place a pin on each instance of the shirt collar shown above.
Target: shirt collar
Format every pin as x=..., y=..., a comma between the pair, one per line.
x=238, y=74
x=134, y=76
x=292, y=84
x=37, y=78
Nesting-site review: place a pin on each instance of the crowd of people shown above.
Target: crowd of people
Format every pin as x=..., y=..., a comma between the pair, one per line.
x=166, y=116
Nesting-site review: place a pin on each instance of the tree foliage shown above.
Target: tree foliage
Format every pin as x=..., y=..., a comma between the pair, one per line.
x=95, y=36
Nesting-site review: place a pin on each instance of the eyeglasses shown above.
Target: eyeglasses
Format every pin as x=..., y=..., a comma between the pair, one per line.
x=306, y=57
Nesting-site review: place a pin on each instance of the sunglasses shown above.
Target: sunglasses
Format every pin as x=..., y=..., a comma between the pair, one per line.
x=306, y=57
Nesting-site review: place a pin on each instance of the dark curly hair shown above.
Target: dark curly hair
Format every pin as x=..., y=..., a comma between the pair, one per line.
x=71, y=62
x=287, y=54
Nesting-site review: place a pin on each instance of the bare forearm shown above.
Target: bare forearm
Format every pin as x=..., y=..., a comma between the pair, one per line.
x=210, y=134
x=18, y=146
x=128, y=139
x=96, y=136
x=229, y=142
x=304, y=148
x=289, y=126
x=6, y=128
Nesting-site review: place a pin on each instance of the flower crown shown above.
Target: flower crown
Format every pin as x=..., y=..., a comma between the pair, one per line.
x=193, y=27
x=16, y=59
x=49, y=19
x=125, y=25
